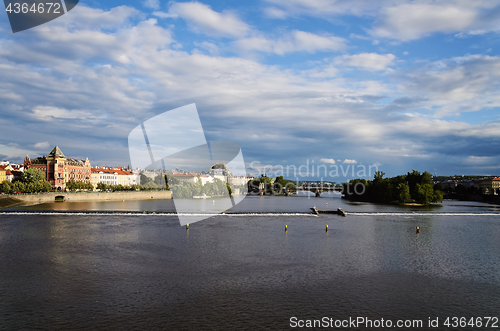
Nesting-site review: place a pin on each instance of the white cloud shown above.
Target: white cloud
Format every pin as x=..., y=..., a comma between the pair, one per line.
x=457, y=85
x=211, y=48
x=42, y=145
x=46, y=113
x=327, y=8
x=153, y=4
x=296, y=41
x=331, y=161
x=83, y=17
x=480, y=160
x=273, y=12
x=401, y=19
x=366, y=61
x=131, y=73
x=414, y=20
x=202, y=19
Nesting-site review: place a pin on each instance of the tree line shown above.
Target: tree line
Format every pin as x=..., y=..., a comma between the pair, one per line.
x=187, y=190
x=412, y=187
x=31, y=181
x=278, y=185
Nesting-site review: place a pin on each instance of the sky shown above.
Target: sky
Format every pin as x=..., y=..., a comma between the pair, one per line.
x=398, y=85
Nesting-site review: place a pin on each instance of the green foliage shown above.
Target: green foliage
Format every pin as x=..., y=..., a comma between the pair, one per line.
x=167, y=186
x=186, y=190
x=413, y=186
x=282, y=185
x=32, y=176
x=254, y=185
x=404, y=192
x=149, y=184
x=18, y=186
x=31, y=181
x=74, y=185
x=160, y=181
x=6, y=187
x=102, y=186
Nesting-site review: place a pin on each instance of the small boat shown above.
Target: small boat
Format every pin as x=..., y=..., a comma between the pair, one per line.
x=339, y=211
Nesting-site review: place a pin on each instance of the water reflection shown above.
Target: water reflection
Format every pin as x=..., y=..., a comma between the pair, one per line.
x=115, y=272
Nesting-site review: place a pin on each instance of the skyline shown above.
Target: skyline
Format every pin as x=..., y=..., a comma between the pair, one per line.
x=399, y=84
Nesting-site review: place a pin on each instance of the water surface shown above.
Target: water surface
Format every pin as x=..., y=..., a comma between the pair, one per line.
x=115, y=272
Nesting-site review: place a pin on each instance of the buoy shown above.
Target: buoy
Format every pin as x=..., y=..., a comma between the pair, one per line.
x=327, y=228
x=327, y=203
x=187, y=226
x=286, y=227
x=418, y=229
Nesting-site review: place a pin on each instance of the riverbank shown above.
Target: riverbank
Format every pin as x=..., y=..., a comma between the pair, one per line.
x=35, y=199
x=494, y=199
x=9, y=202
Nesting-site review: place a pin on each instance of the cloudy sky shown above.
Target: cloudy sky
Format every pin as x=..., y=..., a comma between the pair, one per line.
x=400, y=84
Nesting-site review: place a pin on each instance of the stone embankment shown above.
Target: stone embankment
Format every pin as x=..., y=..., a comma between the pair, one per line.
x=34, y=199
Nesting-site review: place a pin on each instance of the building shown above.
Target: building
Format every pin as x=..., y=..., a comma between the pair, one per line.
x=103, y=175
x=9, y=176
x=241, y=180
x=114, y=176
x=3, y=173
x=126, y=177
x=58, y=169
x=221, y=171
x=192, y=178
x=490, y=185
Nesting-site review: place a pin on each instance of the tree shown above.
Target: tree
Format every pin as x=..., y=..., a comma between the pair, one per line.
x=102, y=186
x=160, y=181
x=167, y=186
x=404, y=192
x=424, y=193
x=150, y=185
x=145, y=179
x=32, y=175
x=439, y=187
x=18, y=186
x=6, y=187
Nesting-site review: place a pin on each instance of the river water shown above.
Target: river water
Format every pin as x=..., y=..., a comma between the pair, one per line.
x=243, y=271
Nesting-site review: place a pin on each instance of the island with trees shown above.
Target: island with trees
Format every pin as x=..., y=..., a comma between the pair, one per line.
x=269, y=185
x=412, y=188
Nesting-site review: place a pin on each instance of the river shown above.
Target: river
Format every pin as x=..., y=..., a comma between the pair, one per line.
x=243, y=270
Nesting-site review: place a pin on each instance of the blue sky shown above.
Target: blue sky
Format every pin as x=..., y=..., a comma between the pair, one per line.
x=398, y=84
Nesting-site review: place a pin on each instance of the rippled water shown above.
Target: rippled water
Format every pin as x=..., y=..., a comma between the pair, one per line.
x=116, y=272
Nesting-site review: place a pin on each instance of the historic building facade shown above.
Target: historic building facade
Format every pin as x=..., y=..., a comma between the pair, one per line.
x=58, y=169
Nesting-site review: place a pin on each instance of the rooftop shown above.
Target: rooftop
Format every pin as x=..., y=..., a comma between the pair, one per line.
x=56, y=151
